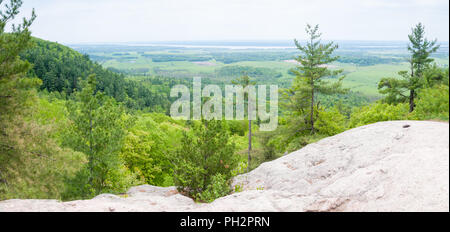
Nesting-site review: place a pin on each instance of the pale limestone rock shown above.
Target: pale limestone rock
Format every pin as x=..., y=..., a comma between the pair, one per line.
x=379, y=167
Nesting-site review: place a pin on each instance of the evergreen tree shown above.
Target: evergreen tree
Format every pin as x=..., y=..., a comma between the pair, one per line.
x=245, y=81
x=32, y=165
x=420, y=49
x=14, y=88
x=12, y=69
x=310, y=75
x=205, y=156
x=98, y=129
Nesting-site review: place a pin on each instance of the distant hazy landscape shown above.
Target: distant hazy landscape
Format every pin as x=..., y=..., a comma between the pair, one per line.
x=269, y=62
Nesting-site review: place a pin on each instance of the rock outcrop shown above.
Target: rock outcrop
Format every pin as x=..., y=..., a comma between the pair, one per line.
x=387, y=166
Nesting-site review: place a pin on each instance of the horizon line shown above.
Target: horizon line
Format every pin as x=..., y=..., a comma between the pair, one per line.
x=171, y=42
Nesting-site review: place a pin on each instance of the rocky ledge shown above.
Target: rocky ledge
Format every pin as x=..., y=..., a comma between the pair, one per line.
x=387, y=166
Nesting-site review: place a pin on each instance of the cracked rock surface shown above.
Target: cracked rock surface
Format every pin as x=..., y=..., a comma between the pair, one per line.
x=387, y=166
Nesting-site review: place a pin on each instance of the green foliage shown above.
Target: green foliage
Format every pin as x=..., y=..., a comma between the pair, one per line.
x=395, y=90
x=36, y=167
x=237, y=127
x=60, y=69
x=238, y=188
x=219, y=187
x=310, y=74
x=240, y=169
x=234, y=57
x=420, y=49
x=434, y=75
x=14, y=88
x=368, y=60
x=331, y=122
x=288, y=137
x=269, y=147
x=97, y=129
x=257, y=73
x=344, y=102
x=204, y=153
x=30, y=162
x=245, y=81
x=148, y=147
x=378, y=112
x=142, y=151
x=433, y=103
x=32, y=165
x=150, y=94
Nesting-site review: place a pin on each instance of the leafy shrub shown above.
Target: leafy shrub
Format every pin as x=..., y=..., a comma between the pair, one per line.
x=268, y=141
x=117, y=180
x=219, y=187
x=204, y=154
x=378, y=112
x=146, y=150
x=238, y=127
x=331, y=122
x=241, y=168
x=432, y=103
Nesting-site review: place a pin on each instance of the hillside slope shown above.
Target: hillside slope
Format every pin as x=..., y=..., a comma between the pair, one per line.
x=60, y=68
x=387, y=166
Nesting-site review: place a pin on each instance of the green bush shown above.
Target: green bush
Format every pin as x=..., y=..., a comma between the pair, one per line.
x=331, y=122
x=432, y=103
x=238, y=127
x=205, y=153
x=378, y=112
x=219, y=187
x=269, y=146
x=147, y=148
x=117, y=180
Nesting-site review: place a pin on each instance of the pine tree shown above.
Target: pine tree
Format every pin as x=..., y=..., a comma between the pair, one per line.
x=12, y=69
x=245, y=81
x=14, y=88
x=205, y=155
x=98, y=130
x=310, y=75
x=420, y=49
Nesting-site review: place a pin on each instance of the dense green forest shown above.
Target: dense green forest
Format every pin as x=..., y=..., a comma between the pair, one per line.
x=72, y=129
x=61, y=69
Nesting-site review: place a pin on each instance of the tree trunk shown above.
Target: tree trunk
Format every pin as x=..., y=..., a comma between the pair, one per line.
x=249, y=144
x=411, y=92
x=411, y=101
x=312, y=109
x=91, y=151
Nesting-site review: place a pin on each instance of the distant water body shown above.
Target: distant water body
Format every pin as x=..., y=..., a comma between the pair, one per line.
x=262, y=45
x=236, y=45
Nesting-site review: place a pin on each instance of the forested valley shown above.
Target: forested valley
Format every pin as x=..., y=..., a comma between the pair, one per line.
x=72, y=128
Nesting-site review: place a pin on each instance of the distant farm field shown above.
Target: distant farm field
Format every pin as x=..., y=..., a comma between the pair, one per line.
x=363, y=66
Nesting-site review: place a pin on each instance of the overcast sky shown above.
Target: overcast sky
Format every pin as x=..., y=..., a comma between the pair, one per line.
x=75, y=21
